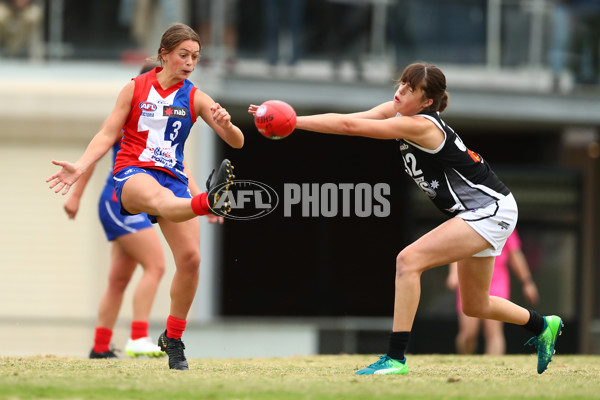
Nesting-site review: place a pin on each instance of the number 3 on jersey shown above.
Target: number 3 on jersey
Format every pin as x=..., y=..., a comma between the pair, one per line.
x=173, y=132
x=410, y=163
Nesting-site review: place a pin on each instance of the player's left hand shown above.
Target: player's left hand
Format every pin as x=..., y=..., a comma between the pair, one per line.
x=220, y=116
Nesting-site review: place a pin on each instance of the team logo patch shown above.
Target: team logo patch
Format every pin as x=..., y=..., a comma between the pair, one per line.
x=177, y=112
x=503, y=225
x=147, y=106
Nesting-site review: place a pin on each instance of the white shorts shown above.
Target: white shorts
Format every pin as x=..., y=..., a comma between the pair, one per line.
x=494, y=223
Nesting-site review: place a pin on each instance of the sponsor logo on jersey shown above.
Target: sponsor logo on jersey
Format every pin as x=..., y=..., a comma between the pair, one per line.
x=177, y=112
x=474, y=156
x=162, y=156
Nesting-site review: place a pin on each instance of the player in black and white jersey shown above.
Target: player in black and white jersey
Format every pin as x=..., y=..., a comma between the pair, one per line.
x=462, y=185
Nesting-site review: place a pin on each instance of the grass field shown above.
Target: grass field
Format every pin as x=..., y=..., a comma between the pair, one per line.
x=313, y=377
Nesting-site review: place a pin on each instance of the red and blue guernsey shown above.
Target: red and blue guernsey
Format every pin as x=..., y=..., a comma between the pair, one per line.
x=157, y=126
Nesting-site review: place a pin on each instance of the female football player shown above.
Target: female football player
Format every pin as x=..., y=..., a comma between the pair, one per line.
x=493, y=331
x=152, y=119
x=482, y=210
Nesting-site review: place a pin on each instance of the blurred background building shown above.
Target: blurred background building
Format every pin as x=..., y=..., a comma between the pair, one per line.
x=523, y=78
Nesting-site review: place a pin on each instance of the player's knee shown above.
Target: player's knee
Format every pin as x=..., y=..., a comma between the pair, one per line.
x=189, y=262
x=160, y=270
x=118, y=282
x=469, y=336
x=405, y=264
x=473, y=309
x=156, y=268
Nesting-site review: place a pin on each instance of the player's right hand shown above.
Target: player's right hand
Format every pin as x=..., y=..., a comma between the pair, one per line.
x=252, y=109
x=215, y=219
x=65, y=178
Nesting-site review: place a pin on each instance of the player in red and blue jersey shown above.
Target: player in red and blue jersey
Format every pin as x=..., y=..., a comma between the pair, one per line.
x=154, y=113
x=133, y=242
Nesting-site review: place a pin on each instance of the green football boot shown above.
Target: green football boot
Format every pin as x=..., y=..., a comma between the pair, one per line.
x=545, y=341
x=385, y=366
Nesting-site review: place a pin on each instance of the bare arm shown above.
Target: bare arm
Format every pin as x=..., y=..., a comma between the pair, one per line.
x=376, y=123
x=415, y=128
x=218, y=119
x=382, y=111
x=518, y=264
x=71, y=205
x=99, y=145
x=452, y=278
x=380, y=122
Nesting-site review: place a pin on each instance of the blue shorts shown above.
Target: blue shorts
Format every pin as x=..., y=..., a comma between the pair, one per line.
x=179, y=188
x=115, y=224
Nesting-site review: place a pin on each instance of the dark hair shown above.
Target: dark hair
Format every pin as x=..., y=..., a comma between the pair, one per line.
x=431, y=80
x=148, y=66
x=174, y=35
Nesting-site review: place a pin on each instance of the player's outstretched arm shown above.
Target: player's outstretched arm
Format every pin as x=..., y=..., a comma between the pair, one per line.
x=65, y=178
x=109, y=133
x=376, y=123
x=382, y=111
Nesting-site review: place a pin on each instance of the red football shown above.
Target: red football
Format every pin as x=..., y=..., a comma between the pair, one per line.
x=275, y=119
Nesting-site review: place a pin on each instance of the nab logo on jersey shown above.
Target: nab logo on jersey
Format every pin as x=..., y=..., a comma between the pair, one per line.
x=147, y=106
x=177, y=112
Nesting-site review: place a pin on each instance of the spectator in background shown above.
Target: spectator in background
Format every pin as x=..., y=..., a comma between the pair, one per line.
x=586, y=41
x=147, y=20
x=227, y=11
x=468, y=327
x=575, y=41
x=19, y=22
x=348, y=33
x=400, y=34
x=560, y=38
x=280, y=14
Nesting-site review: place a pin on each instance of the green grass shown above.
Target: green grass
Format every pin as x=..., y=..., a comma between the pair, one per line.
x=314, y=377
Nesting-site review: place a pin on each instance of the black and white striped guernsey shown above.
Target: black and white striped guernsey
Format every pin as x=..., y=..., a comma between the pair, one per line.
x=454, y=177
